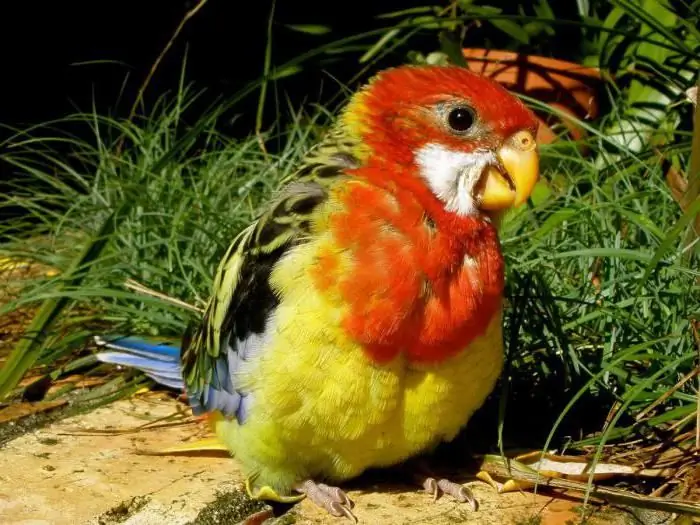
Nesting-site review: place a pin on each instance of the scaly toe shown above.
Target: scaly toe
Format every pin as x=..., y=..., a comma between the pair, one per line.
x=337, y=495
x=458, y=492
x=340, y=510
x=331, y=499
x=431, y=487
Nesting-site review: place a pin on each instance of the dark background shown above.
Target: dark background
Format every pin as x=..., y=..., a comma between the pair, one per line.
x=64, y=57
x=43, y=43
x=47, y=46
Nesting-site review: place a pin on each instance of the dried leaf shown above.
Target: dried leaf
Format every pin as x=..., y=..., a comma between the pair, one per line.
x=677, y=183
x=518, y=474
x=577, y=468
x=7, y=264
x=76, y=381
x=573, y=468
x=206, y=445
x=20, y=410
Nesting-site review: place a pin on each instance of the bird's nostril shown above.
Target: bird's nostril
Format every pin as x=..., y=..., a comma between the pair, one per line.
x=523, y=140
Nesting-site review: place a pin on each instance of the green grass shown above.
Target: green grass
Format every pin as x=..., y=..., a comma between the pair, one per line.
x=603, y=279
x=602, y=261
x=160, y=212
x=597, y=285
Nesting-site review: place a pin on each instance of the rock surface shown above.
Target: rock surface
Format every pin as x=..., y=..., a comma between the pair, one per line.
x=90, y=469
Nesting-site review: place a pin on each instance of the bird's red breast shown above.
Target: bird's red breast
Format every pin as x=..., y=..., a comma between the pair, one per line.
x=423, y=282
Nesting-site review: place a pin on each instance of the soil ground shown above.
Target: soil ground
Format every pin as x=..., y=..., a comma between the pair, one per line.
x=91, y=469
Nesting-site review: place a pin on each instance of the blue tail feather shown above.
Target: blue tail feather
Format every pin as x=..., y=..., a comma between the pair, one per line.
x=159, y=360
x=175, y=384
x=135, y=345
x=164, y=368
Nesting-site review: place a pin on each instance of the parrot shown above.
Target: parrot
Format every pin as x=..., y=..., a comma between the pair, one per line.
x=357, y=322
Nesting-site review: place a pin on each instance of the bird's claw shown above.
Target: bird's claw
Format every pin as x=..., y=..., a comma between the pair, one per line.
x=332, y=499
x=445, y=486
x=340, y=510
x=337, y=495
x=431, y=487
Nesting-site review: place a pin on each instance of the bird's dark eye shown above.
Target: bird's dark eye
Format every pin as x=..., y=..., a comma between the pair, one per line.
x=460, y=119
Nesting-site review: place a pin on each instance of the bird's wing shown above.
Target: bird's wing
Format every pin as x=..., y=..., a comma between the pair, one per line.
x=234, y=325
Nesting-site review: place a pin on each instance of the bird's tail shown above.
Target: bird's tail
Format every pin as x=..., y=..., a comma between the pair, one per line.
x=160, y=360
x=157, y=359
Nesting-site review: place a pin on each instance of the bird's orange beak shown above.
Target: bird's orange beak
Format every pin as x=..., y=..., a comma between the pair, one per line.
x=520, y=160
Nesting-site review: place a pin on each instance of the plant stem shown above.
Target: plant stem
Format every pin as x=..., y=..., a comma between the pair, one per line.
x=693, y=190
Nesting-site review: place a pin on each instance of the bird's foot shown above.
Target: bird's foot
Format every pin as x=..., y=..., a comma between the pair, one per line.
x=436, y=487
x=332, y=499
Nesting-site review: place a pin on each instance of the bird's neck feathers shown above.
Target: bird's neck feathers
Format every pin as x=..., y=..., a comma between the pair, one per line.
x=459, y=256
x=385, y=161
x=441, y=287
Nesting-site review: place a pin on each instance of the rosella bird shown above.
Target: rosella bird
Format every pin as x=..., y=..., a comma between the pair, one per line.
x=357, y=322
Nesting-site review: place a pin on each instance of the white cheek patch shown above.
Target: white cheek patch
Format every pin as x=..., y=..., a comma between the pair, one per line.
x=452, y=175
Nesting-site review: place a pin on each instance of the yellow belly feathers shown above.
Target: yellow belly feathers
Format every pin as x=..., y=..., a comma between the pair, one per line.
x=322, y=410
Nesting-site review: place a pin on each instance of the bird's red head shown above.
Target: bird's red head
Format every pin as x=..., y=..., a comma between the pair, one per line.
x=465, y=136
